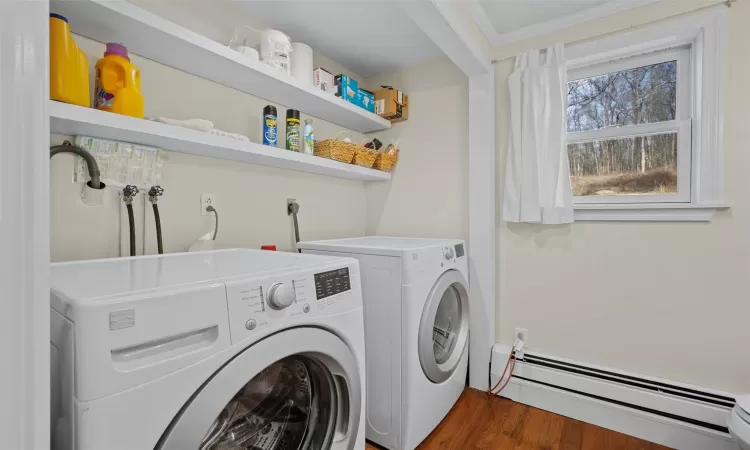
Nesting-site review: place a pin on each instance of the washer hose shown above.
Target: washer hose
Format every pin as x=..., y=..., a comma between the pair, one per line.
x=131, y=222
x=91, y=164
x=128, y=193
x=158, y=229
x=153, y=196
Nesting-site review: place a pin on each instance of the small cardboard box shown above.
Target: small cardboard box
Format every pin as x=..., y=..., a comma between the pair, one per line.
x=324, y=81
x=346, y=87
x=392, y=104
x=365, y=100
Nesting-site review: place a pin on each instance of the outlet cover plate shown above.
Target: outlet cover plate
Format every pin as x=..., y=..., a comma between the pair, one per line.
x=523, y=333
x=206, y=201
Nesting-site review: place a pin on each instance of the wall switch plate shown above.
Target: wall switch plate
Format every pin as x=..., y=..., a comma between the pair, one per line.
x=206, y=201
x=523, y=334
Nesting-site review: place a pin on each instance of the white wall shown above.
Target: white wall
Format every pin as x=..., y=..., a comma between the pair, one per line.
x=251, y=199
x=662, y=299
x=429, y=192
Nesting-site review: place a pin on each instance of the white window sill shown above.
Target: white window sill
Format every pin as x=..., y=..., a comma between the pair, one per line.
x=647, y=212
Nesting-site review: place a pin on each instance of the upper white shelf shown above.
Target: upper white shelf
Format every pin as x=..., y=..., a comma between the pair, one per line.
x=77, y=120
x=156, y=38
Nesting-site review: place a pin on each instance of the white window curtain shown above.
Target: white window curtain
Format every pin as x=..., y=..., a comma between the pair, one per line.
x=537, y=176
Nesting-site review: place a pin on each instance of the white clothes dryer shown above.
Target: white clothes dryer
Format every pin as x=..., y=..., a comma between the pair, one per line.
x=214, y=350
x=416, y=308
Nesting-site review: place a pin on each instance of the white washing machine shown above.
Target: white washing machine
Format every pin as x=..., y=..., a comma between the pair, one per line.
x=415, y=294
x=217, y=350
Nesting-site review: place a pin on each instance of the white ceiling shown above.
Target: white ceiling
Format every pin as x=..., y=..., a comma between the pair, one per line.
x=504, y=21
x=512, y=15
x=369, y=37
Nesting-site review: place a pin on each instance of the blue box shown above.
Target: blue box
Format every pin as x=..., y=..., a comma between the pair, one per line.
x=365, y=100
x=346, y=87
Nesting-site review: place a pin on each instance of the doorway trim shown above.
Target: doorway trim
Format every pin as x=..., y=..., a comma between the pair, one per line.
x=24, y=225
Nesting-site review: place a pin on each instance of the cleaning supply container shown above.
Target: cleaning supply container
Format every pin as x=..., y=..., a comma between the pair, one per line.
x=292, y=130
x=68, y=66
x=270, y=125
x=118, y=83
x=309, y=137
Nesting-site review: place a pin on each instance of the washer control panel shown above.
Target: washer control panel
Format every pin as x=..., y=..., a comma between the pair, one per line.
x=260, y=304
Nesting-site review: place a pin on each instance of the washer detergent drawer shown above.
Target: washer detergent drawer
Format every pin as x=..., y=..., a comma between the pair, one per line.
x=135, y=339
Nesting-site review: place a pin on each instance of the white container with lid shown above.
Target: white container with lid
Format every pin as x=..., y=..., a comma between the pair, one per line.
x=275, y=48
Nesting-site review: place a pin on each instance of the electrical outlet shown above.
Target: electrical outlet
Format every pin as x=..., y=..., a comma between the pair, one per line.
x=206, y=201
x=523, y=334
x=289, y=201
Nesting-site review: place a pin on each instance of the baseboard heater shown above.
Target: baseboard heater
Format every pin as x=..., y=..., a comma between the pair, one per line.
x=642, y=383
x=663, y=412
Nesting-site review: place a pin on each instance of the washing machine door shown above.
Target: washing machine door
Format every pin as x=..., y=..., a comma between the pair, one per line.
x=297, y=389
x=444, y=329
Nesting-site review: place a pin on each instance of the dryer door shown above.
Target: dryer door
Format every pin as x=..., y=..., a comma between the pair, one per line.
x=297, y=389
x=444, y=329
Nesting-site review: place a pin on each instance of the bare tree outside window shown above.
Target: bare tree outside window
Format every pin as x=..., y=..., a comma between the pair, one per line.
x=633, y=165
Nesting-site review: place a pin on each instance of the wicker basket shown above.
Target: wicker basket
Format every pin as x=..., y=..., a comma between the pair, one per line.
x=365, y=157
x=385, y=162
x=336, y=150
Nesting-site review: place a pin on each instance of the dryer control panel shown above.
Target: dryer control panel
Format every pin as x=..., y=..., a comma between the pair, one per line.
x=274, y=302
x=331, y=283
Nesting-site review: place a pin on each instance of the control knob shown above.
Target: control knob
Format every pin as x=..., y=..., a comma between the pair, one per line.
x=448, y=253
x=280, y=296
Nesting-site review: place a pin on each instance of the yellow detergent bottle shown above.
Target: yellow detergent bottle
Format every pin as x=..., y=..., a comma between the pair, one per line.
x=118, y=83
x=68, y=66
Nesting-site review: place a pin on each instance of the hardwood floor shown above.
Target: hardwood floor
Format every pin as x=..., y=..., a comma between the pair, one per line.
x=479, y=421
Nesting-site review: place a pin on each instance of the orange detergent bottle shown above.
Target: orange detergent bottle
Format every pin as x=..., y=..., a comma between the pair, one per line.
x=68, y=66
x=118, y=83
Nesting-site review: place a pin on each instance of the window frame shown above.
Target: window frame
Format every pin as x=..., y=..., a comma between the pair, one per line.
x=703, y=34
x=682, y=125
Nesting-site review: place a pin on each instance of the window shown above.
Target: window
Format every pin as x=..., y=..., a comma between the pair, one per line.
x=644, y=121
x=629, y=130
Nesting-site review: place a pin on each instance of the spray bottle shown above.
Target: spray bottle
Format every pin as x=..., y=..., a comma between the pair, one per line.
x=270, y=125
x=292, y=130
x=309, y=137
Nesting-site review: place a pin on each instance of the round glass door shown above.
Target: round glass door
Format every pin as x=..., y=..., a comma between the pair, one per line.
x=299, y=389
x=447, y=325
x=289, y=405
x=443, y=333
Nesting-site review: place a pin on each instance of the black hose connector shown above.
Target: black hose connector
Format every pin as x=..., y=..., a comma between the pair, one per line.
x=154, y=193
x=128, y=193
x=91, y=164
x=153, y=196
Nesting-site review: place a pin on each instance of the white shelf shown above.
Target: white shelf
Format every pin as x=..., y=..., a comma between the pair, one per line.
x=76, y=120
x=156, y=38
